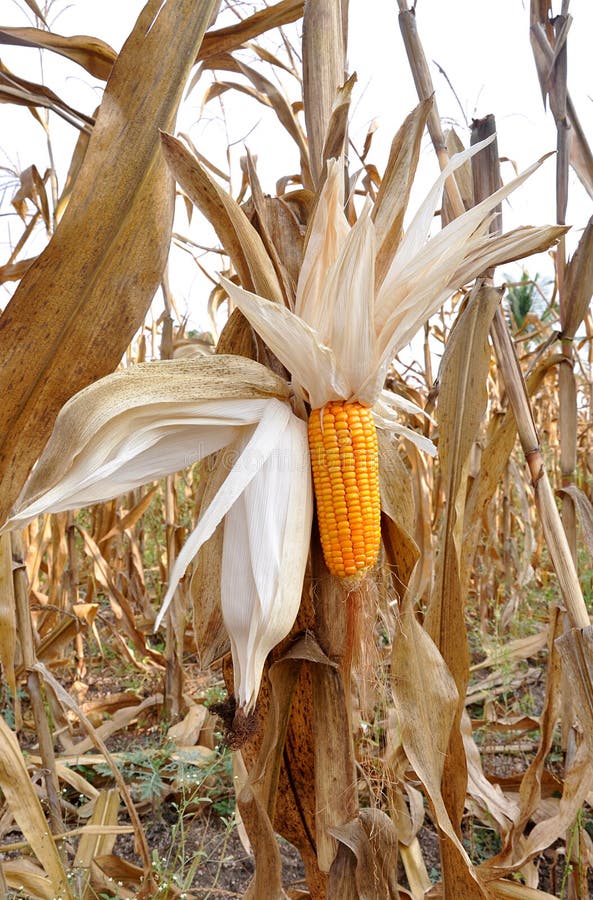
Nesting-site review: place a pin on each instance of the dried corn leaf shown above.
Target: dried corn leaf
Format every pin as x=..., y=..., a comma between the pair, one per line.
x=267, y=881
x=284, y=113
x=426, y=702
x=32, y=188
x=584, y=510
x=396, y=184
x=367, y=858
x=576, y=650
x=511, y=890
x=187, y=732
x=93, y=845
x=581, y=158
x=578, y=284
x=461, y=406
x=337, y=127
x=23, y=875
x=463, y=176
x=15, y=271
x=225, y=39
x=415, y=868
x=490, y=801
x=101, y=267
x=76, y=160
x=91, y=53
x=24, y=805
x=520, y=648
x=239, y=238
x=501, y=436
x=120, y=720
x=264, y=210
x=397, y=503
x=131, y=517
x=578, y=781
x=74, y=779
x=21, y=92
x=111, y=870
x=33, y=6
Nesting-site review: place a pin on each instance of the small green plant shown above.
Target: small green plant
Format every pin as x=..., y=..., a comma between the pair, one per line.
x=527, y=300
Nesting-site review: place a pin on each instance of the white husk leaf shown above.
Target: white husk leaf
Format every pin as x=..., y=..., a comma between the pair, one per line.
x=298, y=346
x=254, y=448
x=136, y=425
x=327, y=234
x=266, y=543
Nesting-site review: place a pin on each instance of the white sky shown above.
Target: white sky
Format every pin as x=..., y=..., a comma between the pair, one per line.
x=482, y=46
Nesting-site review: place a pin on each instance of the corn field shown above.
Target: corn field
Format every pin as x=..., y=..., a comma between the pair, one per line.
x=297, y=606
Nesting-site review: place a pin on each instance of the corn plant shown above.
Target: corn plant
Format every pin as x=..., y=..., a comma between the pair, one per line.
x=334, y=527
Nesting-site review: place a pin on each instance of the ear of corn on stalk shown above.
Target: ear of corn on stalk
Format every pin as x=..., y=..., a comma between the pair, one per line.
x=344, y=459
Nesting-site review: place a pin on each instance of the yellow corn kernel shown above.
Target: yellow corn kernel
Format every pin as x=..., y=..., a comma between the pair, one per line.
x=345, y=462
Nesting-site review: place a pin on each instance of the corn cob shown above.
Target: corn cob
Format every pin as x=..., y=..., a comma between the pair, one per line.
x=344, y=458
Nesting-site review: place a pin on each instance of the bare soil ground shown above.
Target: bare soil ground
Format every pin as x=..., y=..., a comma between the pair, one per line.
x=196, y=844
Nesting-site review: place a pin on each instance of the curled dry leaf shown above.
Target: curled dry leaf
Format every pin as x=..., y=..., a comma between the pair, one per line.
x=426, y=701
x=225, y=39
x=367, y=857
x=91, y=53
x=267, y=881
x=14, y=89
x=492, y=804
x=337, y=127
x=24, y=875
x=15, y=271
x=396, y=184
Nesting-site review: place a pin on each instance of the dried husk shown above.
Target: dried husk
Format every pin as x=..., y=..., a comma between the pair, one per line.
x=394, y=192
